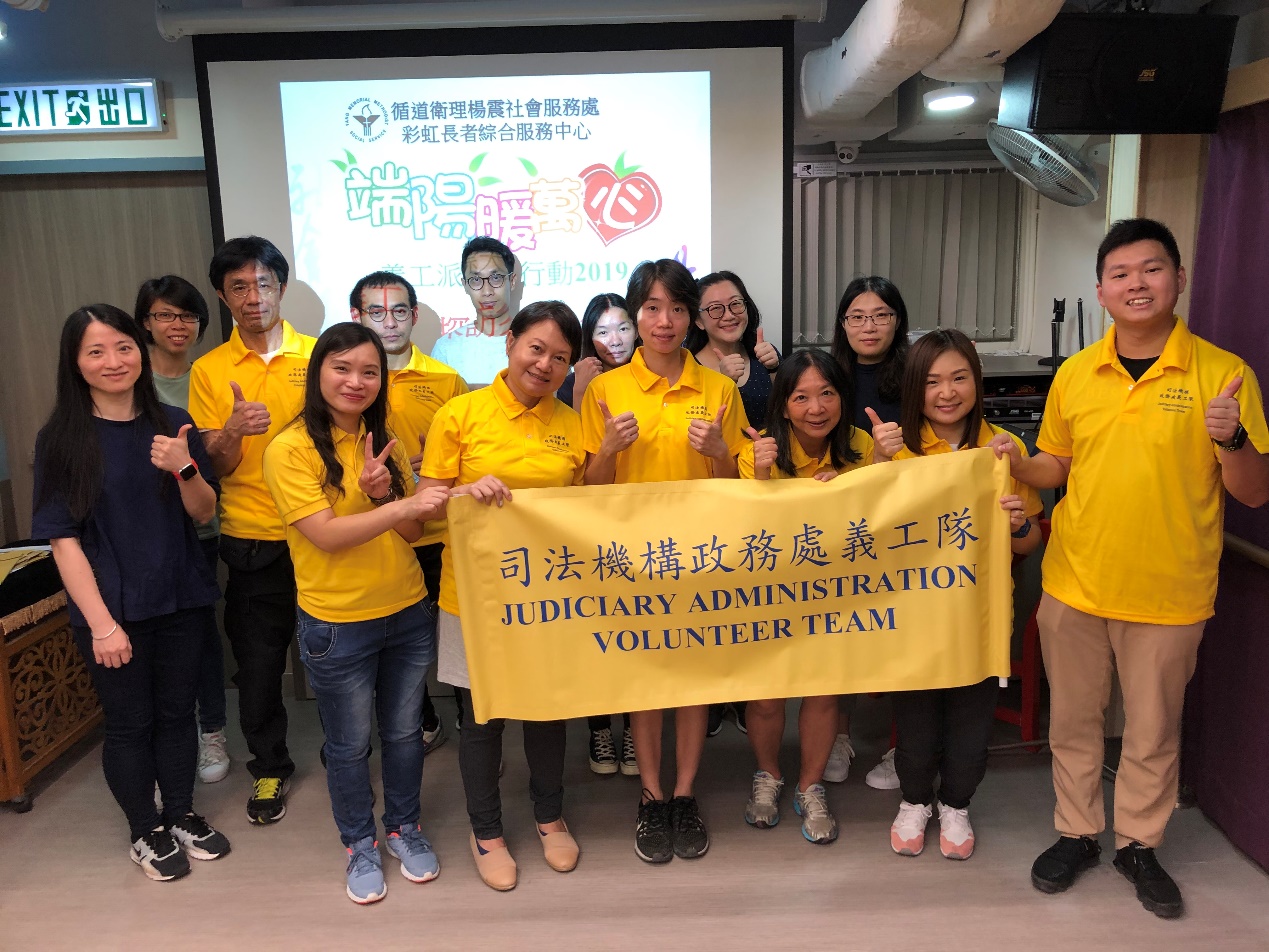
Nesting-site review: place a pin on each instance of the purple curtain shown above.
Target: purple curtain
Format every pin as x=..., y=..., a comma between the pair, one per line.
x=1226, y=730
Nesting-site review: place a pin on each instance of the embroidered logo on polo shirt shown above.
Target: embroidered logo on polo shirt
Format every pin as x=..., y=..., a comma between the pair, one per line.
x=421, y=391
x=558, y=442
x=1175, y=400
x=296, y=374
x=697, y=411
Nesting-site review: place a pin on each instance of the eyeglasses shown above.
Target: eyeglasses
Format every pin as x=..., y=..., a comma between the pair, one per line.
x=715, y=311
x=240, y=289
x=880, y=319
x=167, y=317
x=476, y=282
x=399, y=312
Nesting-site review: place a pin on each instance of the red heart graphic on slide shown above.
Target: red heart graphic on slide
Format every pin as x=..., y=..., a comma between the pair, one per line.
x=619, y=206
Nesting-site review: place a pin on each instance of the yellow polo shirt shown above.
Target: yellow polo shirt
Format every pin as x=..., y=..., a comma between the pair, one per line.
x=804, y=465
x=490, y=432
x=368, y=581
x=415, y=393
x=1138, y=535
x=246, y=509
x=663, y=412
x=932, y=445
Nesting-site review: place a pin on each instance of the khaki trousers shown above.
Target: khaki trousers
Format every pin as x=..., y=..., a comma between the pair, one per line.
x=1155, y=662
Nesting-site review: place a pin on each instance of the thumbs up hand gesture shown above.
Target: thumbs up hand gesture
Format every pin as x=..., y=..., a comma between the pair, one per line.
x=706, y=436
x=1222, y=413
x=171, y=453
x=620, y=431
x=766, y=353
x=887, y=438
x=248, y=418
x=733, y=365
x=764, y=453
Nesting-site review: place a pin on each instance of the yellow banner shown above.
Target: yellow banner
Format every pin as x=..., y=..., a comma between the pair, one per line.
x=601, y=599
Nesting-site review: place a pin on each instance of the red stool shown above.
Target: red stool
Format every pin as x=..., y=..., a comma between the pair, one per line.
x=1028, y=669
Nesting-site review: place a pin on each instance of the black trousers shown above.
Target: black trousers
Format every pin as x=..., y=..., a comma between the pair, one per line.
x=151, y=733
x=480, y=754
x=597, y=722
x=260, y=625
x=944, y=732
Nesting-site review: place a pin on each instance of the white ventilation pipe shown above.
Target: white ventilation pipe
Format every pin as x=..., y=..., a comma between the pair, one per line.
x=888, y=41
x=475, y=14
x=990, y=32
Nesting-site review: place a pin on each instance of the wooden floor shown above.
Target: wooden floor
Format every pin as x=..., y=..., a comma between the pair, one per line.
x=66, y=882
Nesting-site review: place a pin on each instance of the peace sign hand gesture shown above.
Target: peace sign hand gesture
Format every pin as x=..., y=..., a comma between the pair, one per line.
x=375, y=479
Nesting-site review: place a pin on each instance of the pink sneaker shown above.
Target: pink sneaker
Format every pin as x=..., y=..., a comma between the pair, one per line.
x=907, y=833
x=956, y=836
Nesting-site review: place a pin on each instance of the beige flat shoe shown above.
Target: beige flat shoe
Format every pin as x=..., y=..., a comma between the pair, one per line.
x=496, y=867
x=560, y=849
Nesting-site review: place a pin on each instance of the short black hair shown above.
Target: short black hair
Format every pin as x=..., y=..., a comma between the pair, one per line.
x=239, y=252
x=674, y=277
x=560, y=314
x=381, y=279
x=176, y=291
x=485, y=244
x=1128, y=231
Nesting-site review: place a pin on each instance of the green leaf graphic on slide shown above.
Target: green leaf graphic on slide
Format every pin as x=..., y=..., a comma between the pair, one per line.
x=621, y=170
x=344, y=166
x=476, y=162
x=529, y=167
x=474, y=166
x=487, y=180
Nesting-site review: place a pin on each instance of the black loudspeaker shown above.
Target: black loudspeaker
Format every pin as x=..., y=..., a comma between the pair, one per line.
x=1132, y=72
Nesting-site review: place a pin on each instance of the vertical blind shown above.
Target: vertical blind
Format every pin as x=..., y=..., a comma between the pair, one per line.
x=947, y=238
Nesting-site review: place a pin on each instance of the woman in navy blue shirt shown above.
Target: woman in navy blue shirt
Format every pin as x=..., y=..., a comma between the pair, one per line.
x=120, y=481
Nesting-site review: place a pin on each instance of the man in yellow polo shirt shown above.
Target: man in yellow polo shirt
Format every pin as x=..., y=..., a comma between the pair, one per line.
x=418, y=386
x=1148, y=428
x=241, y=394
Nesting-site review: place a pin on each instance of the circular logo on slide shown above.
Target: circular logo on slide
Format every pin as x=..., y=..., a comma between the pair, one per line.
x=366, y=120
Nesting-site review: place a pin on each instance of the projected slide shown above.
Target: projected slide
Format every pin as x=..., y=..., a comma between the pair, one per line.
x=581, y=176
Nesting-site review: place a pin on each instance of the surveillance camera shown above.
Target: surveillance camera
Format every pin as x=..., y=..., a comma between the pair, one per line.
x=847, y=152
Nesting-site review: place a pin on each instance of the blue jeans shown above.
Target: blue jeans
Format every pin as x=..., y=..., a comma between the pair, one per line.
x=356, y=669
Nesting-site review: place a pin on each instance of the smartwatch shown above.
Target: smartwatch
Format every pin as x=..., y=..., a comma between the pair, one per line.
x=1235, y=442
x=187, y=472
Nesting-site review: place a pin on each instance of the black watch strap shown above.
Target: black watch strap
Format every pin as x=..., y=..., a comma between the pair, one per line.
x=1235, y=442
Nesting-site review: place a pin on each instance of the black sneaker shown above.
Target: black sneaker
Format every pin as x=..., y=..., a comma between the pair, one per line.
x=197, y=837
x=739, y=710
x=159, y=856
x=690, y=838
x=268, y=800
x=603, y=755
x=653, y=839
x=716, y=712
x=629, y=763
x=1155, y=888
x=1056, y=868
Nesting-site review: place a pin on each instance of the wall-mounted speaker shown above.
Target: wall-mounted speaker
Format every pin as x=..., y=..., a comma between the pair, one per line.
x=1108, y=73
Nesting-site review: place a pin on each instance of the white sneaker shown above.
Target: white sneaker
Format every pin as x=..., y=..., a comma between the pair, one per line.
x=213, y=757
x=956, y=836
x=839, y=758
x=884, y=776
x=907, y=833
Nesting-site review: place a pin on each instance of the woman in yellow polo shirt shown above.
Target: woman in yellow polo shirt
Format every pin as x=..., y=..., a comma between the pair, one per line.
x=810, y=436
x=513, y=434
x=365, y=633
x=945, y=731
x=663, y=416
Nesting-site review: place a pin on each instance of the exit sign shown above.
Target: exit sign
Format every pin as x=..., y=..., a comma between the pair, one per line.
x=94, y=108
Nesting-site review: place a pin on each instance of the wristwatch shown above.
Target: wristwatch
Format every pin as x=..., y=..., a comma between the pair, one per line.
x=187, y=472
x=1235, y=442
x=1023, y=530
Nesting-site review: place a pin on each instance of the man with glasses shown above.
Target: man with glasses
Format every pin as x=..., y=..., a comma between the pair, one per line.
x=418, y=386
x=478, y=351
x=241, y=394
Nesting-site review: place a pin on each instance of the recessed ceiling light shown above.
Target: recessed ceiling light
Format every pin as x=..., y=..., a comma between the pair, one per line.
x=949, y=98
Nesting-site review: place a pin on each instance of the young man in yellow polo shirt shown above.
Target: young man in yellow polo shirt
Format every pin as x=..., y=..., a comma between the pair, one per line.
x=418, y=386
x=1148, y=428
x=241, y=394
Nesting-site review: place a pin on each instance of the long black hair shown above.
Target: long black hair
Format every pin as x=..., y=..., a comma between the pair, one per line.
x=71, y=464
x=698, y=337
x=782, y=387
x=925, y=351
x=316, y=419
x=890, y=375
x=600, y=305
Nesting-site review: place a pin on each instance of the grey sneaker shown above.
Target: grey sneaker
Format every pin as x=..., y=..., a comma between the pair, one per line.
x=811, y=804
x=365, y=872
x=838, y=767
x=213, y=757
x=418, y=861
x=763, y=809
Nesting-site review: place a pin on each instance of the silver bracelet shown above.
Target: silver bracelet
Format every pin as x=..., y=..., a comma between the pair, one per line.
x=112, y=630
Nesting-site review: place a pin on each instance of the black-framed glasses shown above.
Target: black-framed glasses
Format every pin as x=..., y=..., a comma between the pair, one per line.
x=476, y=282
x=167, y=317
x=880, y=319
x=399, y=312
x=240, y=289
x=716, y=310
